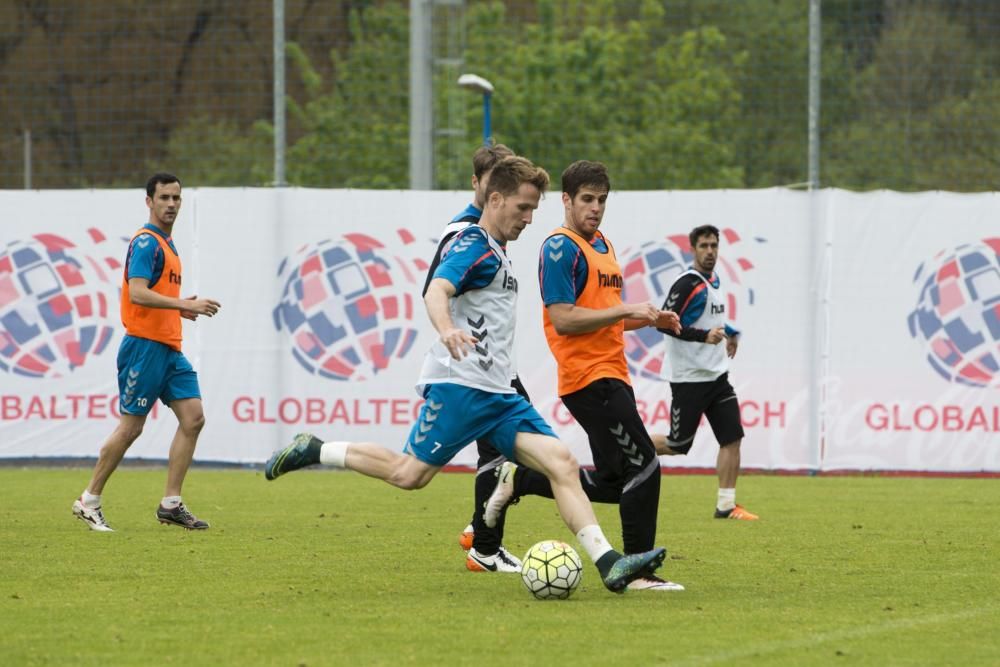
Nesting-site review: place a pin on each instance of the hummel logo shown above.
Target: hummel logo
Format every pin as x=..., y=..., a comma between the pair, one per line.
x=672, y=301
x=556, y=242
x=133, y=373
x=142, y=241
x=555, y=256
x=475, y=324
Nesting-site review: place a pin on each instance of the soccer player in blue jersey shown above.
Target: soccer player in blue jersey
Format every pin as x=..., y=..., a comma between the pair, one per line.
x=151, y=365
x=699, y=369
x=585, y=321
x=466, y=380
x=484, y=544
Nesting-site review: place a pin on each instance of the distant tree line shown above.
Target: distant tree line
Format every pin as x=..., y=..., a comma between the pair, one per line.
x=672, y=94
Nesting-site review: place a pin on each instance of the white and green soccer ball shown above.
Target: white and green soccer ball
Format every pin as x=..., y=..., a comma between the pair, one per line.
x=551, y=570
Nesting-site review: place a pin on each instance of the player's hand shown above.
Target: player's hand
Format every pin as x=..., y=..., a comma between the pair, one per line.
x=196, y=307
x=644, y=312
x=732, y=342
x=668, y=320
x=716, y=336
x=458, y=342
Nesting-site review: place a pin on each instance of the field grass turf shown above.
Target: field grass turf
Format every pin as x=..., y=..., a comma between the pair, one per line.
x=329, y=568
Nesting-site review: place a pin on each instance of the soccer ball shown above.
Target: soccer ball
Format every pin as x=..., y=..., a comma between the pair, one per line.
x=551, y=570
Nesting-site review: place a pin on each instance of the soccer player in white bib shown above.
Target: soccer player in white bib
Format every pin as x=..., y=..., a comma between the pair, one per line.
x=698, y=364
x=466, y=380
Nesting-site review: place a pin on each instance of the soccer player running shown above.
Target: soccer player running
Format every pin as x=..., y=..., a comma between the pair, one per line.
x=465, y=380
x=151, y=365
x=484, y=544
x=585, y=322
x=699, y=369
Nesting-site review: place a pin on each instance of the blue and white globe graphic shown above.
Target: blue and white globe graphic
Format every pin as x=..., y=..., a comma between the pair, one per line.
x=648, y=273
x=58, y=304
x=957, y=316
x=347, y=305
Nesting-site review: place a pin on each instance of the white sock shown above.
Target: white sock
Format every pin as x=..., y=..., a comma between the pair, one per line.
x=89, y=500
x=727, y=499
x=334, y=454
x=593, y=541
x=170, y=502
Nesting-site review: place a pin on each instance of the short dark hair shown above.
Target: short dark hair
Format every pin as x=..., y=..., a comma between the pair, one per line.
x=583, y=173
x=160, y=178
x=511, y=172
x=486, y=157
x=702, y=230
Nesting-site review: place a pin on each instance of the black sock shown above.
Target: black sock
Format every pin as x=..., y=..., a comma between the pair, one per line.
x=605, y=562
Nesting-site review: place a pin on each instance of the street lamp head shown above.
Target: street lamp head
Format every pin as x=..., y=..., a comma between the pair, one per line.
x=475, y=83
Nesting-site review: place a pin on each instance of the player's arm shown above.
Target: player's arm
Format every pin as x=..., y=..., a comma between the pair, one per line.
x=562, y=276
x=687, y=298
x=457, y=341
x=569, y=318
x=140, y=294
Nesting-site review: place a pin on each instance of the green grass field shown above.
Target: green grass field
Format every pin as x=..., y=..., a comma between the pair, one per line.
x=323, y=568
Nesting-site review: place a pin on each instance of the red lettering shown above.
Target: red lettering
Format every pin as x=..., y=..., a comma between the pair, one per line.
x=640, y=407
x=896, y=426
x=315, y=411
x=977, y=419
x=262, y=412
x=921, y=424
x=661, y=413
x=54, y=409
x=296, y=410
x=11, y=408
x=378, y=403
x=74, y=401
x=339, y=413
x=746, y=407
x=243, y=409
x=951, y=418
x=357, y=416
x=876, y=417
x=34, y=408
x=771, y=413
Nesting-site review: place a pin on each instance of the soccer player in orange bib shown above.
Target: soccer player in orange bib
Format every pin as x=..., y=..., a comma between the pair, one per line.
x=151, y=365
x=585, y=323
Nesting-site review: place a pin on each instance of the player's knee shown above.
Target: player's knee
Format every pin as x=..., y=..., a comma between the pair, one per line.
x=562, y=463
x=192, y=425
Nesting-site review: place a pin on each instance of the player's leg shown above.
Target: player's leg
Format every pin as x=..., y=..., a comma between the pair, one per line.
x=182, y=393
x=190, y=420
x=88, y=507
x=723, y=414
x=486, y=550
x=622, y=451
x=544, y=453
x=140, y=378
x=445, y=424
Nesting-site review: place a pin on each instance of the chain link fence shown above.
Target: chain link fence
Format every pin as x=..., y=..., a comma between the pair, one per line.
x=672, y=94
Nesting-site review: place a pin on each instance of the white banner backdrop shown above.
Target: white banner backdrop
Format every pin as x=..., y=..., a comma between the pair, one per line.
x=891, y=301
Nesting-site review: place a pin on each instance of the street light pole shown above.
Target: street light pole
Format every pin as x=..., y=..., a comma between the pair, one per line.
x=478, y=84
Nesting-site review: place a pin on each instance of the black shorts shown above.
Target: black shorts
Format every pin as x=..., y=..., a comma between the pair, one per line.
x=716, y=400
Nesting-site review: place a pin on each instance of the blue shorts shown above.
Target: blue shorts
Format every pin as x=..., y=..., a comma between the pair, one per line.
x=454, y=415
x=148, y=370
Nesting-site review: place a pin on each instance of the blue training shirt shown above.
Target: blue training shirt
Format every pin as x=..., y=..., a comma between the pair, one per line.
x=468, y=262
x=144, y=259
x=562, y=280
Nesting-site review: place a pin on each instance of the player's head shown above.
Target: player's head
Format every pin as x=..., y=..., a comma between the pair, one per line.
x=705, y=247
x=163, y=198
x=483, y=161
x=585, y=188
x=512, y=192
